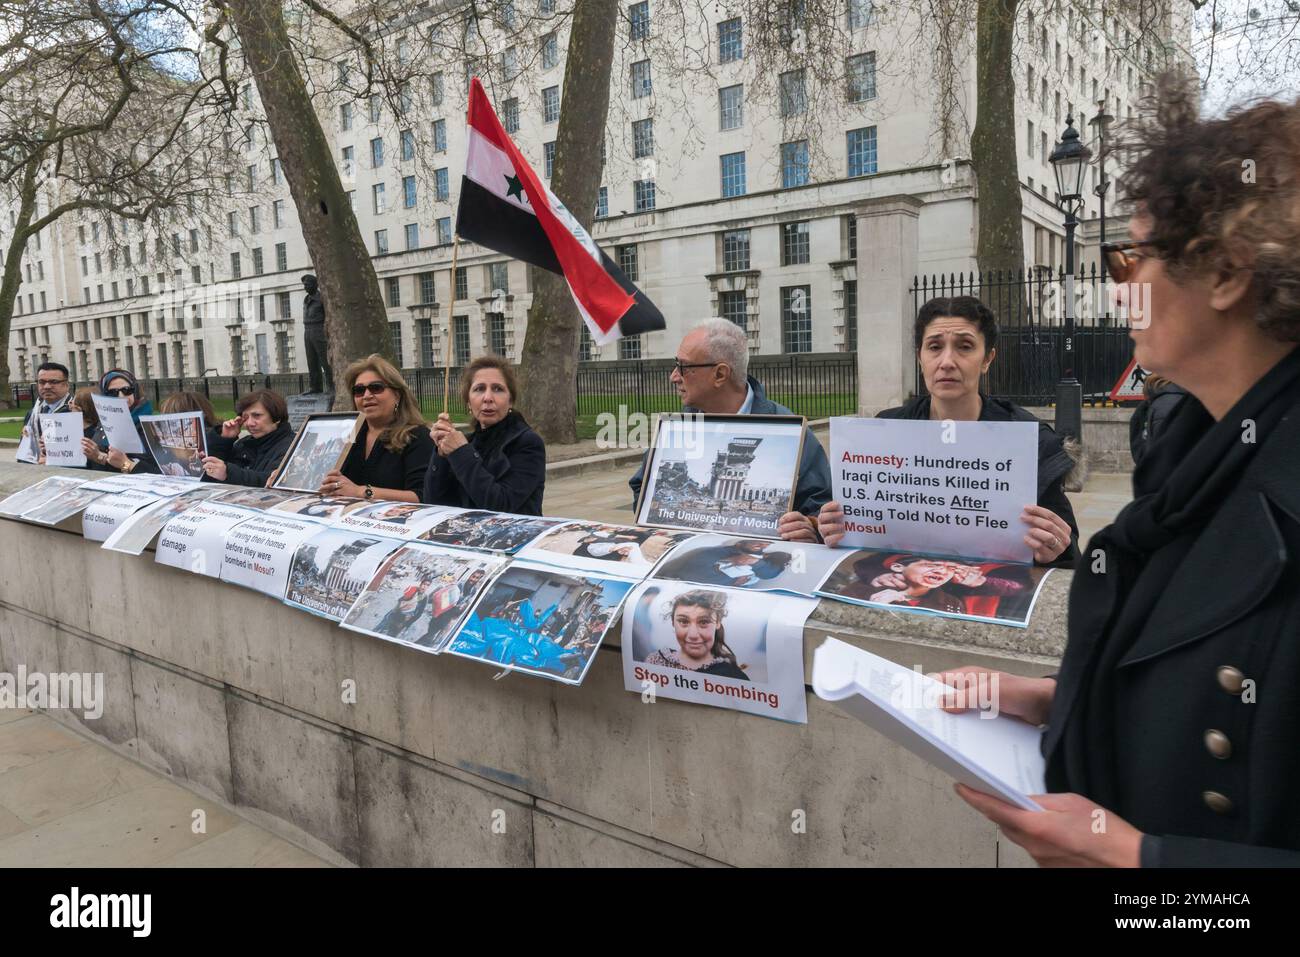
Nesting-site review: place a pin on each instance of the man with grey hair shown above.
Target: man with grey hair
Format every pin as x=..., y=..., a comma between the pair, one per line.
x=711, y=375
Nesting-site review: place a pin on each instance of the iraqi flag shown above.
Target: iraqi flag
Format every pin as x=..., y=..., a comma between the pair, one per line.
x=506, y=207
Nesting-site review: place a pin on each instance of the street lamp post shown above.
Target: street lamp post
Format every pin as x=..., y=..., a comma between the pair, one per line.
x=1069, y=160
x=1102, y=122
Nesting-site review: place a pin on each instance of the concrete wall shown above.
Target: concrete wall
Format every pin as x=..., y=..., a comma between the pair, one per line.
x=239, y=697
x=1105, y=436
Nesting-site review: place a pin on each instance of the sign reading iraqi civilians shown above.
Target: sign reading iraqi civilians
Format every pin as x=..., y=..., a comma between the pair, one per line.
x=115, y=419
x=949, y=488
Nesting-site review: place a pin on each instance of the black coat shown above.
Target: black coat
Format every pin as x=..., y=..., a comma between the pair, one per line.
x=500, y=471
x=1054, y=462
x=251, y=460
x=1148, y=418
x=1233, y=602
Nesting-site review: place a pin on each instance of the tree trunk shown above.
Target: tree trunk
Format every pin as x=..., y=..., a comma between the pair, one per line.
x=13, y=276
x=1000, y=244
x=549, y=361
x=356, y=321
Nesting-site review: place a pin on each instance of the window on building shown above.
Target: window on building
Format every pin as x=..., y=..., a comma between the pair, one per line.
x=407, y=145
x=629, y=347
x=796, y=319
x=232, y=224
x=643, y=195
x=735, y=250
x=548, y=158
x=794, y=163
x=394, y=289
x=499, y=279
x=412, y=235
x=375, y=105
x=732, y=307
x=602, y=202
x=862, y=151
x=436, y=89
x=277, y=214
x=550, y=51
x=281, y=257
x=444, y=230
x=284, y=305
x=730, y=45
x=641, y=79
x=551, y=104
x=255, y=219
x=851, y=232
x=426, y=288
x=408, y=192
x=441, y=185
x=377, y=152
x=462, y=283
x=850, y=315
x=510, y=115
x=348, y=161
x=731, y=107
x=794, y=243
x=793, y=93
x=460, y=340
x=585, y=345
x=638, y=18
x=424, y=341
x=643, y=138
x=627, y=261
x=345, y=117
x=377, y=199
x=381, y=242
x=1030, y=139
x=733, y=174
x=496, y=329
x=859, y=14
x=440, y=136
x=861, y=72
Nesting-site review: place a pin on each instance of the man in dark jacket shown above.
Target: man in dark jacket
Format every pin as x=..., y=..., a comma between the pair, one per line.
x=1162, y=397
x=711, y=377
x=54, y=390
x=250, y=460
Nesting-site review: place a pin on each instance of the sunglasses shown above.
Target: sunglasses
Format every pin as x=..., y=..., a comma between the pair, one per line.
x=118, y=393
x=1120, y=261
x=374, y=388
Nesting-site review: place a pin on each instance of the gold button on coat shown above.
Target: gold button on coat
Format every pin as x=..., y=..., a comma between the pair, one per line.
x=1230, y=679
x=1217, y=743
x=1216, y=802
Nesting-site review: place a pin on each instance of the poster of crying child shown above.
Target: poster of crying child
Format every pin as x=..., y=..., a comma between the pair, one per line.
x=938, y=506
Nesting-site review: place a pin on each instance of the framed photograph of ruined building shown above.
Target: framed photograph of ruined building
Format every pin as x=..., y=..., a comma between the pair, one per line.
x=320, y=446
x=734, y=474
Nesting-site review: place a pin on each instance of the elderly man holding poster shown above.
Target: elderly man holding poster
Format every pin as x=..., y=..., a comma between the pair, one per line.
x=711, y=376
x=956, y=341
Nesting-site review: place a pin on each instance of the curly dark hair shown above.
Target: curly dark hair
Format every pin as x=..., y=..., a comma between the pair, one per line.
x=1221, y=193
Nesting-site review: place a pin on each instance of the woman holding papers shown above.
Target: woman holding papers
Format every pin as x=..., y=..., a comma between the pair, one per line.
x=250, y=460
x=1173, y=727
x=501, y=464
x=392, y=449
x=956, y=341
x=124, y=385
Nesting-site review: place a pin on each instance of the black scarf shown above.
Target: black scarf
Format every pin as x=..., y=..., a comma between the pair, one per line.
x=487, y=441
x=1180, y=484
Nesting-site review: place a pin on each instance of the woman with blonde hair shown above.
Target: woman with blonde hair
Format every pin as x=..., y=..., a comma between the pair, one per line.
x=392, y=450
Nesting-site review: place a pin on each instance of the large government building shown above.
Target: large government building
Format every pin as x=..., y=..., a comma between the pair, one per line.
x=797, y=202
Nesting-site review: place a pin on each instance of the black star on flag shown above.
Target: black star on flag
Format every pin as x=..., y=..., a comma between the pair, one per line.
x=515, y=188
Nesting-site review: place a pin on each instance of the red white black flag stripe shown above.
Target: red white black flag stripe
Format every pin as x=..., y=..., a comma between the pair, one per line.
x=506, y=207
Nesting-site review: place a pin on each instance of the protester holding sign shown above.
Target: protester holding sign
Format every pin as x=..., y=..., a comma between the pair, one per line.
x=53, y=387
x=391, y=453
x=710, y=376
x=956, y=343
x=124, y=385
x=250, y=460
x=502, y=464
x=94, y=442
x=1174, y=716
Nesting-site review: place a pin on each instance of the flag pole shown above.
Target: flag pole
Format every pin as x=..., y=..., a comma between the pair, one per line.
x=446, y=352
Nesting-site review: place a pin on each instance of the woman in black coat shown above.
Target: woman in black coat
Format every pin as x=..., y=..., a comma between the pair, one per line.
x=250, y=460
x=956, y=341
x=501, y=465
x=1175, y=718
